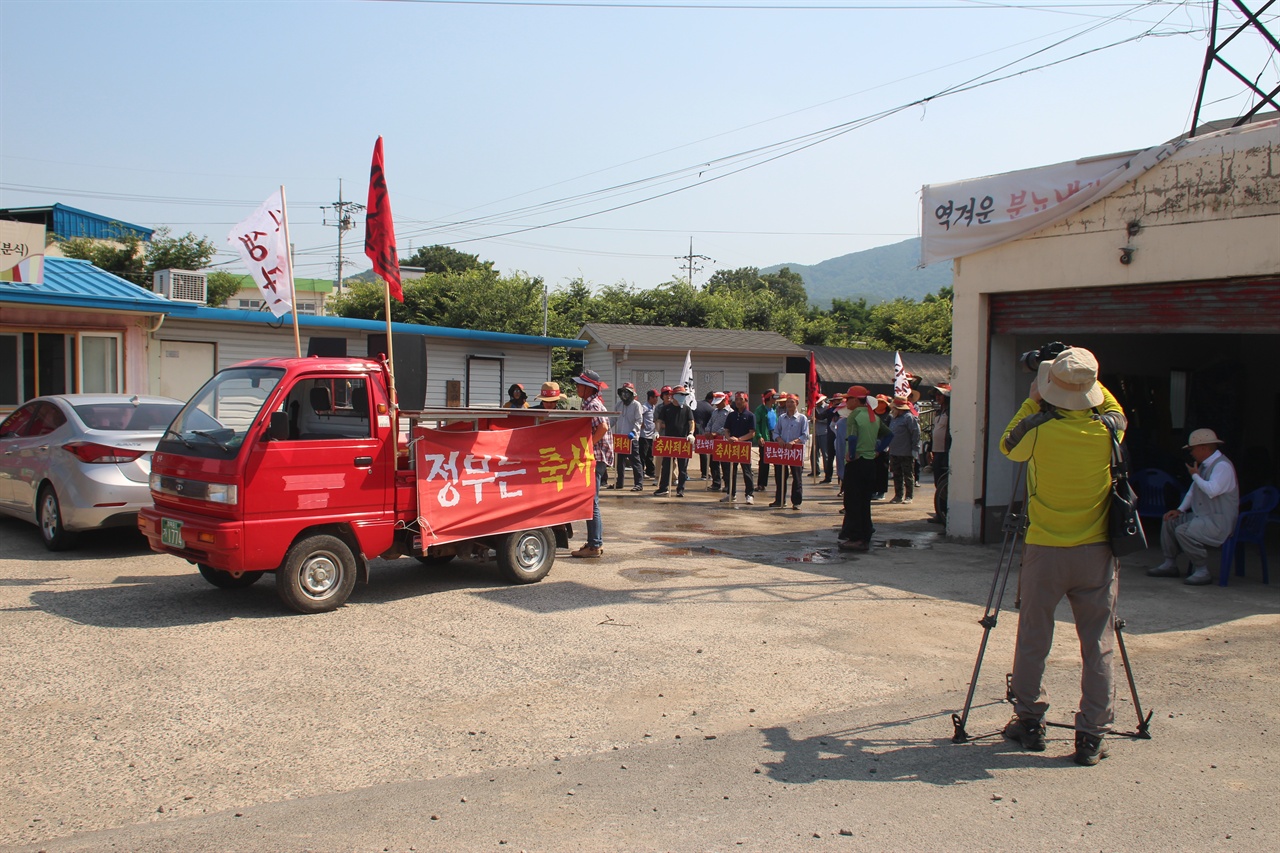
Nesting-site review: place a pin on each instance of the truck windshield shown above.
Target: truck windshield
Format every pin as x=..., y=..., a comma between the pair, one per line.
x=216, y=420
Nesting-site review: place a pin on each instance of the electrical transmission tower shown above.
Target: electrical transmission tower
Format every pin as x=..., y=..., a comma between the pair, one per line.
x=1215, y=56
x=344, y=221
x=690, y=262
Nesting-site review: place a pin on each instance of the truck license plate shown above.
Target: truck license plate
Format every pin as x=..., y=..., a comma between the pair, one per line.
x=171, y=533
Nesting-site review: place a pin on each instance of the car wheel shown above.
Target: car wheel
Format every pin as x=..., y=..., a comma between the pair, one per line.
x=49, y=515
x=317, y=576
x=228, y=580
x=527, y=556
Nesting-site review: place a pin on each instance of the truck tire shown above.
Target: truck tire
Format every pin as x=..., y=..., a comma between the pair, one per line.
x=527, y=556
x=49, y=515
x=228, y=580
x=318, y=574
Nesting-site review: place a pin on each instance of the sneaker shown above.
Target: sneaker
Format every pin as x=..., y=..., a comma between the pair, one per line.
x=896, y=500
x=1030, y=733
x=907, y=500
x=680, y=493
x=795, y=506
x=613, y=487
x=637, y=488
x=661, y=494
x=727, y=499
x=1089, y=749
x=1199, y=577
x=751, y=499
x=1167, y=569
x=775, y=505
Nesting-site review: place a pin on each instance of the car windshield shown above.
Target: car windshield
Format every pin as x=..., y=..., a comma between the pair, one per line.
x=216, y=420
x=126, y=417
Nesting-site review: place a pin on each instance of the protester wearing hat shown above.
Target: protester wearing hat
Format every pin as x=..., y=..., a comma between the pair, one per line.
x=766, y=420
x=518, y=399
x=648, y=431
x=630, y=421
x=880, y=483
x=549, y=397
x=820, y=428
x=673, y=418
x=1207, y=514
x=1061, y=433
x=701, y=416
x=858, y=453
x=792, y=431
x=589, y=385
x=905, y=428
x=715, y=427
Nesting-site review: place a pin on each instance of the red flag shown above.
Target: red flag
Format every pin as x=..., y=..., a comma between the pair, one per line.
x=811, y=389
x=379, y=230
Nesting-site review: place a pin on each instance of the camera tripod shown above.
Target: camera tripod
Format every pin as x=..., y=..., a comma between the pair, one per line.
x=1014, y=528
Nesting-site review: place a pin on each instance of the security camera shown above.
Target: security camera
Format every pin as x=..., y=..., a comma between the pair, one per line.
x=1126, y=255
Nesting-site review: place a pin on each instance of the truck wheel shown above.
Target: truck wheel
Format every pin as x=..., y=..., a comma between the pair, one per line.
x=49, y=514
x=317, y=576
x=228, y=580
x=527, y=556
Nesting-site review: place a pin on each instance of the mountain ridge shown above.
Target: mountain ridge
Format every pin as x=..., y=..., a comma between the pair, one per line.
x=879, y=274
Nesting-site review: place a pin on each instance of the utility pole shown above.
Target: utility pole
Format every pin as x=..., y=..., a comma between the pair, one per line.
x=690, y=260
x=344, y=221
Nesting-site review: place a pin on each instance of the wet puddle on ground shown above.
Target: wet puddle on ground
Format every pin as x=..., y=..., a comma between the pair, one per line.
x=925, y=540
x=822, y=555
x=694, y=551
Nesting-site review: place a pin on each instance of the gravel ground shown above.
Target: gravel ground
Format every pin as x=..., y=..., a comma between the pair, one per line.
x=714, y=647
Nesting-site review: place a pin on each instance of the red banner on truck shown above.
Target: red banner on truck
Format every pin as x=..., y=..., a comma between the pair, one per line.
x=473, y=484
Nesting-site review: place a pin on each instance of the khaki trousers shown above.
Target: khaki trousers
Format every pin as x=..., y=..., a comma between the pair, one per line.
x=1086, y=576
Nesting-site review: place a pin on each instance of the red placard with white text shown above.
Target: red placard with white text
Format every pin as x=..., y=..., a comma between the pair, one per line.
x=731, y=451
x=673, y=446
x=484, y=483
x=776, y=453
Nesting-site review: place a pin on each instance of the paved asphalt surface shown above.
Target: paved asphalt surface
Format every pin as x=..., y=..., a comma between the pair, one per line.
x=723, y=679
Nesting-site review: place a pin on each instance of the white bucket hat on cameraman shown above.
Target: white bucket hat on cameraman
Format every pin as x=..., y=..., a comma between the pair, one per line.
x=1070, y=381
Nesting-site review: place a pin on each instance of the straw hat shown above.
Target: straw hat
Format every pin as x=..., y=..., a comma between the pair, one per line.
x=1070, y=381
x=550, y=391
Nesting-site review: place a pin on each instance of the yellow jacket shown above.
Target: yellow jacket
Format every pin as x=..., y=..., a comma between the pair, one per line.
x=1068, y=456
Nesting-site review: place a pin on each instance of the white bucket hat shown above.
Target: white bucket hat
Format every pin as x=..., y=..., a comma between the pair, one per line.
x=1202, y=436
x=1070, y=381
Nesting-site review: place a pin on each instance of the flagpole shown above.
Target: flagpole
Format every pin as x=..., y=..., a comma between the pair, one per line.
x=288, y=262
x=391, y=356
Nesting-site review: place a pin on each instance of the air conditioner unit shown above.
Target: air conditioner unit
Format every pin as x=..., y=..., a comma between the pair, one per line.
x=182, y=285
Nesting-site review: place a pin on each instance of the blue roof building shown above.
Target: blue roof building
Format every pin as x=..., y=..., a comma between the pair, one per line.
x=71, y=222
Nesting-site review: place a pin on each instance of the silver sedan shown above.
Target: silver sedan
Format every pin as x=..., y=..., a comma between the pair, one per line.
x=74, y=462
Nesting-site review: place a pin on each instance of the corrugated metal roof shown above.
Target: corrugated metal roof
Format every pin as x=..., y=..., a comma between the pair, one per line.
x=73, y=283
x=875, y=367
x=72, y=222
x=677, y=338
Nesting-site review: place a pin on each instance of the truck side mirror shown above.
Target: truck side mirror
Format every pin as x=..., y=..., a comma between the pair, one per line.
x=278, y=429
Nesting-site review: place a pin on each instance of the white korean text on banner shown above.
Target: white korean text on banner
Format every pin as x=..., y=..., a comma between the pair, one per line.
x=261, y=243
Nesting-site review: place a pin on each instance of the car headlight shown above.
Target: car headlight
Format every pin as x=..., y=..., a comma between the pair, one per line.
x=221, y=493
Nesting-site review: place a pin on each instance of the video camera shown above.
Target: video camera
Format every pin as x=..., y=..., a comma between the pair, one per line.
x=1031, y=360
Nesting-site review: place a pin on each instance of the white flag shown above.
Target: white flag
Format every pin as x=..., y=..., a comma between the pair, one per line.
x=686, y=379
x=260, y=241
x=901, y=387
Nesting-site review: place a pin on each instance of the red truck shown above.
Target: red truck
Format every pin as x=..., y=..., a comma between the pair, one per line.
x=303, y=467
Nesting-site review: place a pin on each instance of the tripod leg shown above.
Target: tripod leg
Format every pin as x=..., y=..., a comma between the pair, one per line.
x=1144, y=723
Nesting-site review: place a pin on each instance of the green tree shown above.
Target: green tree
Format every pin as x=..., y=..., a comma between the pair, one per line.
x=187, y=252
x=119, y=256
x=444, y=259
x=222, y=286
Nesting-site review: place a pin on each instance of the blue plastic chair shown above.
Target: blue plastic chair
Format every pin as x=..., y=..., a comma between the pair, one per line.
x=1152, y=486
x=1251, y=527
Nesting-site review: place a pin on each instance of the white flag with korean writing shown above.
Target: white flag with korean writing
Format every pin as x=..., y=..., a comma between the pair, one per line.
x=686, y=379
x=901, y=385
x=261, y=243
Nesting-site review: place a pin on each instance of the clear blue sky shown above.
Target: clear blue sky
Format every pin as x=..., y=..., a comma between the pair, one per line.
x=188, y=114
